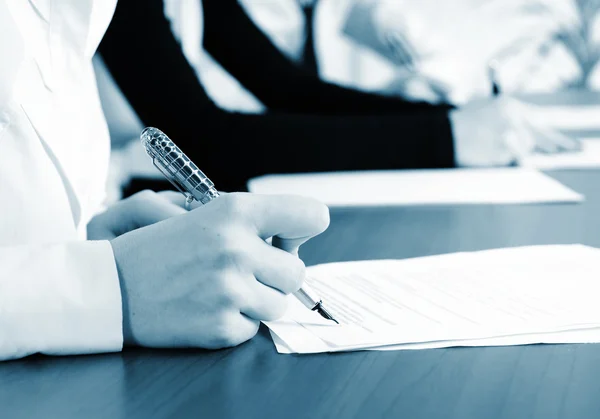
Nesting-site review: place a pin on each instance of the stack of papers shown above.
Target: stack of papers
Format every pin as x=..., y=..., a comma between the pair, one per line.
x=420, y=187
x=526, y=295
x=571, y=117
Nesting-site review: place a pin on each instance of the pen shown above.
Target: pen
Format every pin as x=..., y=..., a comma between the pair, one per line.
x=541, y=48
x=185, y=176
x=493, y=77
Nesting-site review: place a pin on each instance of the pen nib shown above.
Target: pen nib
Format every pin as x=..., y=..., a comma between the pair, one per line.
x=324, y=313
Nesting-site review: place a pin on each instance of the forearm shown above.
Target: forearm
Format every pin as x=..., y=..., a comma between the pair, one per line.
x=247, y=53
x=232, y=148
x=59, y=299
x=167, y=94
x=148, y=65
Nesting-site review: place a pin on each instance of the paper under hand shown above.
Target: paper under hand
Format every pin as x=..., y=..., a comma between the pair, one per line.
x=499, y=297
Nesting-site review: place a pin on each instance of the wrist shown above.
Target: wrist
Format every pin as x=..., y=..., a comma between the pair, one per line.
x=455, y=125
x=119, y=254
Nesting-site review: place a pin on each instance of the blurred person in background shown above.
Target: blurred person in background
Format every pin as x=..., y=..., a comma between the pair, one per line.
x=216, y=77
x=454, y=44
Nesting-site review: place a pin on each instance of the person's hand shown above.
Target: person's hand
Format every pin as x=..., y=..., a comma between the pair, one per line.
x=502, y=131
x=416, y=87
x=206, y=278
x=139, y=210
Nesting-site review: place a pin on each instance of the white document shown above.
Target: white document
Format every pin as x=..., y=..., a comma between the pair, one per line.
x=537, y=294
x=573, y=117
x=420, y=187
x=587, y=158
x=572, y=336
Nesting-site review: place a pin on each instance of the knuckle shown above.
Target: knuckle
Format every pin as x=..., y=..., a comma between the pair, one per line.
x=229, y=290
x=244, y=334
x=296, y=276
x=286, y=276
x=229, y=331
x=231, y=255
x=223, y=335
x=223, y=259
x=300, y=274
x=233, y=206
x=276, y=309
x=251, y=332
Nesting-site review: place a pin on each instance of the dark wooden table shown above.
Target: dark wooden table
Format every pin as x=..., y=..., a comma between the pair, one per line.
x=253, y=381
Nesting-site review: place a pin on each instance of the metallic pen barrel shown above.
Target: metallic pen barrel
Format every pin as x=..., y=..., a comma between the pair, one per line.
x=307, y=298
x=177, y=167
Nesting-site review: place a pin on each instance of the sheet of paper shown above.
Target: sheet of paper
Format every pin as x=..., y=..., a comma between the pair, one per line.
x=420, y=187
x=587, y=158
x=575, y=117
x=571, y=336
x=538, y=294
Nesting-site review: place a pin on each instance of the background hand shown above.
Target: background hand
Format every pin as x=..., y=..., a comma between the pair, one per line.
x=502, y=131
x=416, y=87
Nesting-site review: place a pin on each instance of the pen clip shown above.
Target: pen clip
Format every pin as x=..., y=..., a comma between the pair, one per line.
x=171, y=179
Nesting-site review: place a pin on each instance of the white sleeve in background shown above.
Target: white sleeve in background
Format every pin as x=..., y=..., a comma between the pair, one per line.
x=59, y=299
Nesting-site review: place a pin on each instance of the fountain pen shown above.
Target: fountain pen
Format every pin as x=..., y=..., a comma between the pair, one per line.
x=196, y=186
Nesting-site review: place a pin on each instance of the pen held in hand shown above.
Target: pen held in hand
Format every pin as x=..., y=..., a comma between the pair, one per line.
x=196, y=186
x=493, y=78
x=304, y=294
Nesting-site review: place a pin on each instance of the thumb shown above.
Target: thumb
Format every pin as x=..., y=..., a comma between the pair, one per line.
x=147, y=207
x=140, y=210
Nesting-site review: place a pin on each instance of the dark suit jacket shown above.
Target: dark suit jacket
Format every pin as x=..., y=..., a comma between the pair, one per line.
x=310, y=125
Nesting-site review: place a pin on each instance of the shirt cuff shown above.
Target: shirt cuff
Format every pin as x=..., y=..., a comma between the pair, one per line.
x=60, y=299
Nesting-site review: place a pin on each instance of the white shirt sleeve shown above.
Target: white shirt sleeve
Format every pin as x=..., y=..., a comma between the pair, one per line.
x=59, y=299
